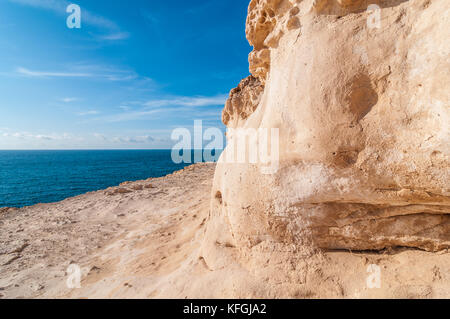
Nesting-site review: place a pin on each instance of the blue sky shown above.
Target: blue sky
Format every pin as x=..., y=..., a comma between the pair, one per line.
x=133, y=72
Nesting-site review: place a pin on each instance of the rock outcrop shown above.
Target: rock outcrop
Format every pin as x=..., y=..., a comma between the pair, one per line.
x=242, y=102
x=360, y=96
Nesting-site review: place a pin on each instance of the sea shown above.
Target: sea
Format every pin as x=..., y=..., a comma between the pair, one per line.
x=32, y=177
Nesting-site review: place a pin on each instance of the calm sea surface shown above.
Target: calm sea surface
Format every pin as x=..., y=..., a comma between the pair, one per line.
x=31, y=177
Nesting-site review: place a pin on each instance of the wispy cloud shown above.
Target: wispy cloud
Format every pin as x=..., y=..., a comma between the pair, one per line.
x=31, y=73
x=100, y=136
x=128, y=116
x=92, y=112
x=130, y=140
x=124, y=107
x=116, y=36
x=140, y=139
x=55, y=5
x=28, y=135
x=59, y=7
x=189, y=101
x=182, y=106
x=134, y=140
x=92, y=71
x=68, y=99
x=179, y=105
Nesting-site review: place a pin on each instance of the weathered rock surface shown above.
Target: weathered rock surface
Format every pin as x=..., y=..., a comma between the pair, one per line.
x=363, y=117
x=148, y=244
x=242, y=102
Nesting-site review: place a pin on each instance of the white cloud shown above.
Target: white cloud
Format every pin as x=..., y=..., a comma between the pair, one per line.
x=54, y=5
x=116, y=36
x=126, y=139
x=134, y=140
x=128, y=116
x=100, y=136
x=179, y=105
x=27, y=72
x=28, y=135
x=69, y=99
x=189, y=101
x=83, y=71
x=44, y=137
x=121, y=77
x=92, y=112
x=28, y=140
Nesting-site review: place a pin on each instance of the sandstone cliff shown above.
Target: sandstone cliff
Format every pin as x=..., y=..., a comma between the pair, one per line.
x=363, y=117
x=362, y=108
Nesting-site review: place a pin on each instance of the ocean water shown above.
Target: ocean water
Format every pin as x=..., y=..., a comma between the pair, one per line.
x=31, y=177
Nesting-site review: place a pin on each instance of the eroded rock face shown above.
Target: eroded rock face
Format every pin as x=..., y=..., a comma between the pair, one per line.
x=363, y=117
x=242, y=102
x=266, y=24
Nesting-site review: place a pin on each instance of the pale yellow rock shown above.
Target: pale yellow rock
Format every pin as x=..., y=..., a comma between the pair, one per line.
x=242, y=102
x=363, y=115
